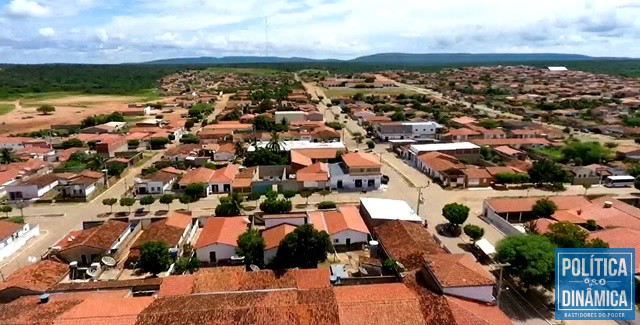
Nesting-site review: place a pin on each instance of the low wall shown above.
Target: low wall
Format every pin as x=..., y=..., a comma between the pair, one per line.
x=502, y=225
x=19, y=242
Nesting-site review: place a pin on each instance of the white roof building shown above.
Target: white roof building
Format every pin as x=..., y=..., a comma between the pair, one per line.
x=302, y=144
x=420, y=148
x=381, y=210
x=557, y=68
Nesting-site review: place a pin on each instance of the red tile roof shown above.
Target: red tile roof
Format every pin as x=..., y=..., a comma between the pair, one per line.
x=316, y=172
x=407, y=242
x=346, y=218
x=8, y=228
x=199, y=175
x=37, y=277
x=440, y=161
x=106, y=310
x=360, y=159
x=274, y=235
x=168, y=230
x=503, y=205
x=222, y=230
x=176, y=285
x=221, y=279
x=620, y=238
x=466, y=312
x=457, y=270
x=101, y=237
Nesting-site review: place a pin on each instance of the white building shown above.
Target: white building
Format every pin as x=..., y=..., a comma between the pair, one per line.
x=408, y=130
x=14, y=236
x=32, y=188
x=376, y=211
x=158, y=182
x=290, y=116
x=218, y=239
x=303, y=144
x=357, y=171
x=345, y=226
x=454, y=148
x=459, y=275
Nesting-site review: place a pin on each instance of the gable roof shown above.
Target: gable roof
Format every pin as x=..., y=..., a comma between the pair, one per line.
x=346, y=218
x=316, y=172
x=407, y=242
x=466, y=312
x=198, y=175
x=100, y=237
x=222, y=230
x=168, y=230
x=8, y=228
x=274, y=235
x=37, y=277
x=225, y=175
x=457, y=270
x=440, y=161
x=360, y=159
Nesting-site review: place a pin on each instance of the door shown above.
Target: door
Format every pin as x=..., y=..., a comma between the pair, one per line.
x=227, y=188
x=358, y=183
x=214, y=188
x=371, y=183
x=212, y=257
x=348, y=242
x=339, y=184
x=83, y=259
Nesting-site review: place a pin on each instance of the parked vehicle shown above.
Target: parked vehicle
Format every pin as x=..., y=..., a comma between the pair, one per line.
x=619, y=181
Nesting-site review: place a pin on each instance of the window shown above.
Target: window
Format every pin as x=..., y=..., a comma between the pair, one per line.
x=336, y=240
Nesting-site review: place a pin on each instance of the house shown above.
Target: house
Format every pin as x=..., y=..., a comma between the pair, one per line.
x=65, y=154
x=109, y=146
x=218, y=239
x=290, y=116
x=408, y=130
x=41, y=153
x=345, y=225
x=358, y=171
x=477, y=177
x=620, y=237
x=516, y=143
x=86, y=245
x=16, y=143
x=376, y=211
x=158, y=182
x=294, y=218
x=109, y=127
x=466, y=150
x=220, y=152
x=406, y=242
x=136, y=110
x=14, y=236
x=443, y=168
x=315, y=176
x=458, y=275
x=80, y=185
x=460, y=135
x=175, y=231
x=217, y=181
x=510, y=153
x=463, y=120
x=32, y=188
x=584, y=175
x=32, y=280
x=183, y=152
x=628, y=152
x=272, y=238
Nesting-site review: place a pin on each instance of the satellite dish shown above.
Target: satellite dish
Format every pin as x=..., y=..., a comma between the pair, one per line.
x=92, y=272
x=254, y=268
x=108, y=261
x=362, y=271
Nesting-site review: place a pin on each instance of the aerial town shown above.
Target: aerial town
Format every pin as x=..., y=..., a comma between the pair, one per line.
x=263, y=196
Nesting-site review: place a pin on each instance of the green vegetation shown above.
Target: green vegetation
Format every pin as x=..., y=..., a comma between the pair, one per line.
x=127, y=202
x=263, y=156
x=154, y=257
x=474, y=232
x=167, y=199
x=251, y=71
x=273, y=205
x=336, y=92
x=229, y=206
x=251, y=246
x=547, y=171
x=327, y=205
x=110, y=202
x=44, y=81
x=305, y=247
x=553, y=153
x=531, y=258
x=455, y=213
x=567, y=235
x=544, y=208
x=6, y=108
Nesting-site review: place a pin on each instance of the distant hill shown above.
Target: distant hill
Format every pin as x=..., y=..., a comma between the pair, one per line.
x=394, y=58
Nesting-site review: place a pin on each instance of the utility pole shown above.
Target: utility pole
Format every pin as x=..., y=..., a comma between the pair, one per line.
x=419, y=197
x=502, y=266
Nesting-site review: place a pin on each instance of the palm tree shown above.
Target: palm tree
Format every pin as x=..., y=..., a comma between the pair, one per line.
x=275, y=144
x=8, y=156
x=96, y=162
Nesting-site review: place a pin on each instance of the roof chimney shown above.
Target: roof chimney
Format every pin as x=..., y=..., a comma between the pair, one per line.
x=608, y=204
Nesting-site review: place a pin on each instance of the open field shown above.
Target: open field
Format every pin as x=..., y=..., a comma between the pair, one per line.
x=333, y=92
x=6, y=108
x=70, y=108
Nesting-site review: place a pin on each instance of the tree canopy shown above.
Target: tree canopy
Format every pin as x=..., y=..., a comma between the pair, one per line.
x=262, y=156
x=305, y=247
x=154, y=257
x=567, y=235
x=547, y=171
x=531, y=258
x=251, y=246
x=455, y=213
x=544, y=208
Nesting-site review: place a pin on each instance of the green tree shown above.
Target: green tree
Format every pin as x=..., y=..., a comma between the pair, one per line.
x=262, y=156
x=275, y=145
x=567, y=235
x=588, y=152
x=186, y=200
x=289, y=194
x=195, y=190
x=167, y=199
x=306, y=194
x=189, y=124
x=474, y=232
x=586, y=186
x=97, y=162
x=72, y=143
x=371, y=144
x=239, y=149
x=8, y=156
x=189, y=139
x=276, y=206
x=186, y=265
x=116, y=168
x=46, y=109
x=546, y=171
x=398, y=116
x=133, y=143
x=6, y=209
x=544, y=208
x=305, y=247
x=127, y=202
x=251, y=246
x=110, y=202
x=531, y=258
x=147, y=201
x=158, y=142
x=154, y=257
x=210, y=165
x=324, y=193
x=455, y=213
x=228, y=207
x=327, y=205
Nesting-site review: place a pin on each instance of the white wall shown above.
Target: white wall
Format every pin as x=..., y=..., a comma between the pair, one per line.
x=481, y=293
x=152, y=187
x=268, y=223
x=9, y=245
x=28, y=191
x=349, y=182
x=502, y=225
x=47, y=188
x=220, y=187
x=291, y=116
x=223, y=252
x=223, y=156
x=355, y=236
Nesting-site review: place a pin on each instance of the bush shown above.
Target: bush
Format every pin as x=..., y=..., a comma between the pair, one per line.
x=276, y=206
x=371, y=144
x=327, y=205
x=474, y=232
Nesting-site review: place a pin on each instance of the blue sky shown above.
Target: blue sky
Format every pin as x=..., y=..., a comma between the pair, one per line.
x=114, y=31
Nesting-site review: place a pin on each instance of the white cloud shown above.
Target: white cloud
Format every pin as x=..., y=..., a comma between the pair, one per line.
x=47, y=32
x=26, y=8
